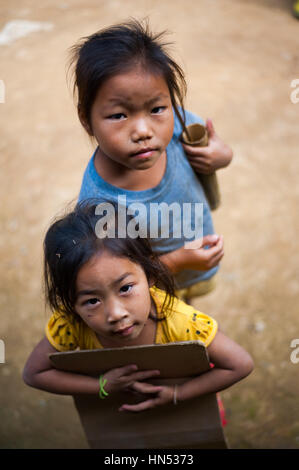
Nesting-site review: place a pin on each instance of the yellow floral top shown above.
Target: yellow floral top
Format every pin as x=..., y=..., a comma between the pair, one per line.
x=181, y=323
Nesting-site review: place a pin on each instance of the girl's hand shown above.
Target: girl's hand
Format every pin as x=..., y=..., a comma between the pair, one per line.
x=208, y=159
x=123, y=378
x=163, y=395
x=202, y=258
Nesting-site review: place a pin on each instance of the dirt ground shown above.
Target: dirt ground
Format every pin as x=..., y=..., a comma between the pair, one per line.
x=240, y=58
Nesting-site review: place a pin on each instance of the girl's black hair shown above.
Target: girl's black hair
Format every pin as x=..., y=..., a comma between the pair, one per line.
x=71, y=241
x=116, y=49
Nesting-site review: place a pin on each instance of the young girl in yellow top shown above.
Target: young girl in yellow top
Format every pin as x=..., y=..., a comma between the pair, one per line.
x=104, y=294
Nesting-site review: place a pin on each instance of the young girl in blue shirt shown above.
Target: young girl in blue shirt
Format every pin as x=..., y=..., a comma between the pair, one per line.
x=130, y=99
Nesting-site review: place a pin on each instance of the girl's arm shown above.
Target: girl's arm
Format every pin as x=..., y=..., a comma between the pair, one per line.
x=40, y=373
x=231, y=364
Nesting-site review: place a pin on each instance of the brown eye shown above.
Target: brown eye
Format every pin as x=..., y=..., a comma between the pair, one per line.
x=117, y=116
x=126, y=288
x=91, y=302
x=158, y=109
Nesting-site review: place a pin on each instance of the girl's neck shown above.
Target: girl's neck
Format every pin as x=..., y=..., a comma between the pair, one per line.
x=130, y=179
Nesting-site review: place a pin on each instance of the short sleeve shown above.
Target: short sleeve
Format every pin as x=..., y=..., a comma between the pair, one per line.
x=202, y=327
x=61, y=332
x=182, y=322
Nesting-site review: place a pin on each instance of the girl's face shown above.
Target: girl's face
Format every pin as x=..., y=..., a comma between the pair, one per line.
x=132, y=118
x=113, y=299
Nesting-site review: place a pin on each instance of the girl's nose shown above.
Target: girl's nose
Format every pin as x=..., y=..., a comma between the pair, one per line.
x=141, y=130
x=115, y=311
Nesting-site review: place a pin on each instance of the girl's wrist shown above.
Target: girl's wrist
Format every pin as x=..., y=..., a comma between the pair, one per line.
x=103, y=392
x=177, y=396
x=176, y=260
x=171, y=261
x=181, y=258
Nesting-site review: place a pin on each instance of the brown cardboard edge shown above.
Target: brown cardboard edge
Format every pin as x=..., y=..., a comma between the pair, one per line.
x=154, y=356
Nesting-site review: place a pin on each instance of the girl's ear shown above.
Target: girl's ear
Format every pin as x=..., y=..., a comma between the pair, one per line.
x=84, y=121
x=151, y=282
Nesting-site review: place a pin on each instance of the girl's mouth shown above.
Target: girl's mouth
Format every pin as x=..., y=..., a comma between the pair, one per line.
x=125, y=331
x=144, y=153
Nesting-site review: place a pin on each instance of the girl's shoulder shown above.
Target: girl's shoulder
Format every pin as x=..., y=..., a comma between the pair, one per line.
x=63, y=331
x=190, y=118
x=182, y=322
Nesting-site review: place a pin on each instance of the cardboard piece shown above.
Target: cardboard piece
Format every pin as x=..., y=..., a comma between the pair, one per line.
x=190, y=424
